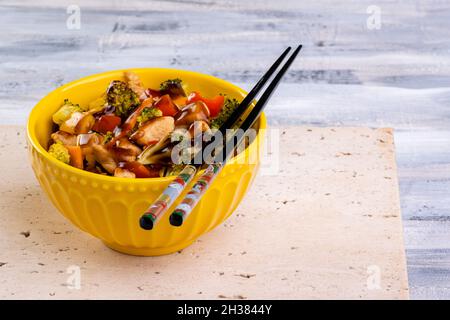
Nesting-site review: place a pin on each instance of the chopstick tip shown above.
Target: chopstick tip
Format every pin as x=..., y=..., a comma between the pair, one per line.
x=176, y=220
x=146, y=223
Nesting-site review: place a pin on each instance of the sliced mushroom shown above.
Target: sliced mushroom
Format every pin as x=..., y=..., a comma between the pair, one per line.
x=79, y=122
x=105, y=157
x=159, y=158
x=197, y=111
x=151, y=150
x=65, y=138
x=153, y=131
x=125, y=150
x=123, y=173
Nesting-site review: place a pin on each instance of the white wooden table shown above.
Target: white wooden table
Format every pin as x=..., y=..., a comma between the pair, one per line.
x=349, y=75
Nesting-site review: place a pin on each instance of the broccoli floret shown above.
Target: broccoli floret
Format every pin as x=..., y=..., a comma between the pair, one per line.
x=60, y=152
x=108, y=137
x=120, y=96
x=149, y=113
x=228, y=108
x=172, y=87
x=66, y=110
x=169, y=83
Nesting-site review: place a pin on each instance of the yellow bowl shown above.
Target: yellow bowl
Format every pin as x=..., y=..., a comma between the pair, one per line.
x=109, y=208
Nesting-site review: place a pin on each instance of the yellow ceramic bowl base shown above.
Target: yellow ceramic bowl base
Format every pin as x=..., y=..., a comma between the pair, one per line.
x=109, y=208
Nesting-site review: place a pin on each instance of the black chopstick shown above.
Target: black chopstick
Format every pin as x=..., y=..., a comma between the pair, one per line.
x=240, y=110
x=182, y=211
x=257, y=109
x=156, y=210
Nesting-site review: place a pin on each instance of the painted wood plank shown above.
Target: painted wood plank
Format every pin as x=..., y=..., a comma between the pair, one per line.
x=396, y=76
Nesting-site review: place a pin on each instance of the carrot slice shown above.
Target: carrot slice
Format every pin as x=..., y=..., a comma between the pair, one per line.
x=76, y=156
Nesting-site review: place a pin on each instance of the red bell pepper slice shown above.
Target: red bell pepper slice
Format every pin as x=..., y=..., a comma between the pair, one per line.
x=140, y=170
x=166, y=105
x=214, y=104
x=107, y=122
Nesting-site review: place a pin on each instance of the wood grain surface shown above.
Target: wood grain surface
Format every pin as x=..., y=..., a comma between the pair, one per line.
x=327, y=226
x=396, y=76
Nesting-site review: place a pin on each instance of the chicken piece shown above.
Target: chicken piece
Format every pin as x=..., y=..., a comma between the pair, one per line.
x=65, y=138
x=79, y=122
x=125, y=150
x=123, y=173
x=135, y=84
x=124, y=143
x=153, y=131
x=105, y=157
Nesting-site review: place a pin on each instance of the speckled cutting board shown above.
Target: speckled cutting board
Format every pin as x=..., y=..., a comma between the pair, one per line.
x=327, y=226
